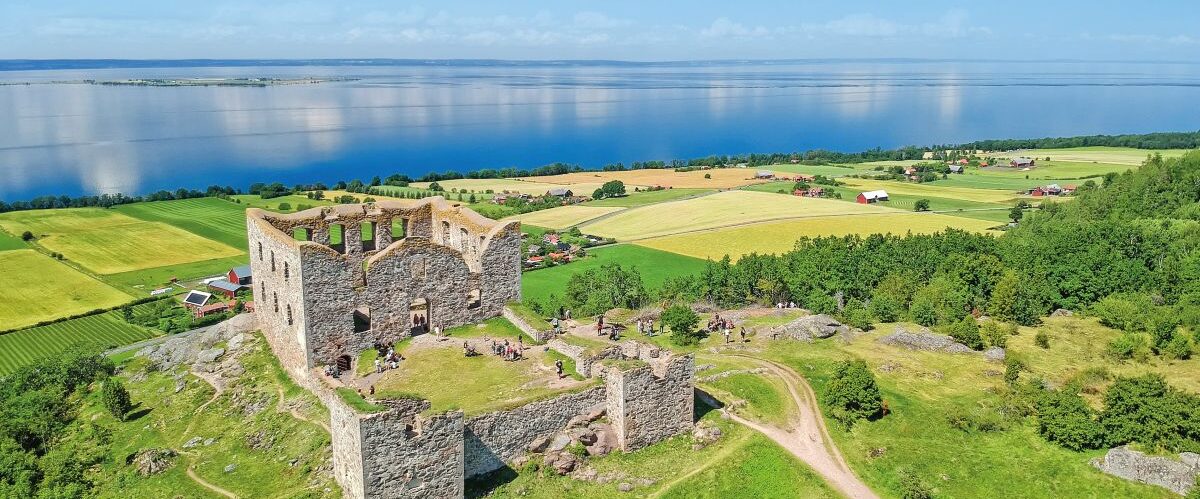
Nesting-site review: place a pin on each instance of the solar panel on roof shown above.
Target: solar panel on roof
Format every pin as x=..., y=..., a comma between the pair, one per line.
x=196, y=298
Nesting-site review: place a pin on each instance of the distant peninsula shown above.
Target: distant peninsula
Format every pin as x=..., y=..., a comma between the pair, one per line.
x=193, y=82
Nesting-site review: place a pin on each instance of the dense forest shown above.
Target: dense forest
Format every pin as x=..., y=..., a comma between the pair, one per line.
x=1163, y=140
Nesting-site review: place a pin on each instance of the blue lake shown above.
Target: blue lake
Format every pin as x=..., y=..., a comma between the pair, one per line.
x=72, y=138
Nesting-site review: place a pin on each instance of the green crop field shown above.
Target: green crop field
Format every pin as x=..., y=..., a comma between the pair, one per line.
x=212, y=218
x=635, y=199
x=106, y=330
x=37, y=288
x=10, y=242
x=1099, y=154
x=779, y=237
x=141, y=282
x=109, y=242
x=825, y=170
x=293, y=200
x=654, y=265
x=563, y=216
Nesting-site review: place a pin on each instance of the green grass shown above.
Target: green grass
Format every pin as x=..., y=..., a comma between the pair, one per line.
x=978, y=181
x=212, y=218
x=287, y=462
x=758, y=468
x=764, y=397
x=272, y=204
x=357, y=402
x=141, y=282
x=106, y=330
x=826, y=170
x=38, y=288
x=10, y=242
x=654, y=265
x=530, y=317
x=648, y=197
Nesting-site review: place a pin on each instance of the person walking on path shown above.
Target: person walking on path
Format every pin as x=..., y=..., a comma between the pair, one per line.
x=558, y=367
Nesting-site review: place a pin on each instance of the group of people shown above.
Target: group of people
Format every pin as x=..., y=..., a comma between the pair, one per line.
x=725, y=326
x=507, y=350
x=790, y=304
x=389, y=360
x=646, y=327
x=614, y=330
x=333, y=371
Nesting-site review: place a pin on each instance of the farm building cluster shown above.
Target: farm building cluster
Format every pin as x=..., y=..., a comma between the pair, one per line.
x=554, y=248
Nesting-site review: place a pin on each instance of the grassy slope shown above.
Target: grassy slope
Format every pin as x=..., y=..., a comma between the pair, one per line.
x=106, y=330
x=295, y=200
x=265, y=471
x=563, y=216
x=654, y=265
x=109, y=242
x=10, y=242
x=38, y=288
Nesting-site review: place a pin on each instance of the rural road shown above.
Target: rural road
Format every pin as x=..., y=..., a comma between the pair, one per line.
x=808, y=439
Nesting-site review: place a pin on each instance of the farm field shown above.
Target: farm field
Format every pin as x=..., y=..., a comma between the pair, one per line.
x=779, y=237
x=655, y=267
x=535, y=186
x=141, y=282
x=212, y=218
x=934, y=189
x=718, y=210
x=721, y=178
x=106, y=330
x=996, y=211
x=635, y=199
x=109, y=242
x=272, y=204
x=825, y=170
x=11, y=242
x=1057, y=170
x=1112, y=155
x=563, y=216
x=38, y=288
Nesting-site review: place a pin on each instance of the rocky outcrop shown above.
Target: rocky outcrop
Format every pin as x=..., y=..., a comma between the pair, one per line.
x=1178, y=476
x=1062, y=312
x=924, y=340
x=153, y=461
x=198, y=348
x=995, y=354
x=810, y=327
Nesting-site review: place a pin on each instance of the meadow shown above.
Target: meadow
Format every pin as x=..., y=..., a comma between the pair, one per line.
x=780, y=237
x=109, y=242
x=273, y=204
x=934, y=189
x=714, y=178
x=718, y=210
x=535, y=186
x=104, y=330
x=563, y=216
x=38, y=288
x=1098, y=154
x=654, y=265
x=212, y=218
x=11, y=242
x=635, y=199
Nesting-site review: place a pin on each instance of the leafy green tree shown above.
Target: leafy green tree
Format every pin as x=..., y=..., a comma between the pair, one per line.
x=966, y=331
x=1016, y=214
x=115, y=398
x=609, y=286
x=856, y=315
x=1012, y=370
x=852, y=394
x=436, y=187
x=921, y=205
x=942, y=301
x=682, y=321
x=889, y=299
x=1015, y=300
x=285, y=206
x=1179, y=348
x=994, y=334
x=27, y=236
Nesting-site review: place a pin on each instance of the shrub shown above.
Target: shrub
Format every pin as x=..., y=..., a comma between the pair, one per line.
x=115, y=398
x=921, y=205
x=966, y=331
x=1042, y=339
x=1012, y=370
x=1179, y=348
x=857, y=315
x=1147, y=410
x=1129, y=346
x=26, y=236
x=978, y=420
x=911, y=486
x=1065, y=419
x=682, y=321
x=994, y=334
x=285, y=206
x=852, y=394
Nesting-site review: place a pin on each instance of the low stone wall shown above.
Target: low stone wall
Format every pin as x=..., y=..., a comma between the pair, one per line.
x=498, y=437
x=525, y=327
x=1176, y=475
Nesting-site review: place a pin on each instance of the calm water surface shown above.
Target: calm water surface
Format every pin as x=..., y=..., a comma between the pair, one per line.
x=63, y=138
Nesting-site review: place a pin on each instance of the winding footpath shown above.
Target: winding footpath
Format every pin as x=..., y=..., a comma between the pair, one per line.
x=808, y=438
x=191, y=469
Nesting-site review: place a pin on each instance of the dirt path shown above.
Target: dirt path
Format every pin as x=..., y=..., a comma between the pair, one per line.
x=280, y=407
x=808, y=439
x=191, y=469
x=730, y=447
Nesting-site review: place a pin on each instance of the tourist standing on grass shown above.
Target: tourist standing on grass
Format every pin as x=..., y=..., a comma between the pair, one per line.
x=558, y=367
x=378, y=365
x=743, y=331
x=726, y=331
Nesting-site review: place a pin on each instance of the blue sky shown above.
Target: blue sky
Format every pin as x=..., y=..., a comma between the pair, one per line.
x=614, y=29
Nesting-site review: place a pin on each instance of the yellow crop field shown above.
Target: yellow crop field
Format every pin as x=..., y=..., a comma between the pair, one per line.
x=779, y=237
x=933, y=190
x=535, y=186
x=718, y=210
x=109, y=242
x=1112, y=155
x=564, y=216
x=38, y=288
x=720, y=178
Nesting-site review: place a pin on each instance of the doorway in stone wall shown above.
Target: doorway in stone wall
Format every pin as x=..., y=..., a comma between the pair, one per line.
x=418, y=312
x=343, y=363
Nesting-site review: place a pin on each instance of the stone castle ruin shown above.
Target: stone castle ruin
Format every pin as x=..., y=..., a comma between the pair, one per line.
x=334, y=281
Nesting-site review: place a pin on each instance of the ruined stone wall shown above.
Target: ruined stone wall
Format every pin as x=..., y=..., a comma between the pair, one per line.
x=346, y=445
x=495, y=438
x=276, y=266
x=649, y=404
x=412, y=456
